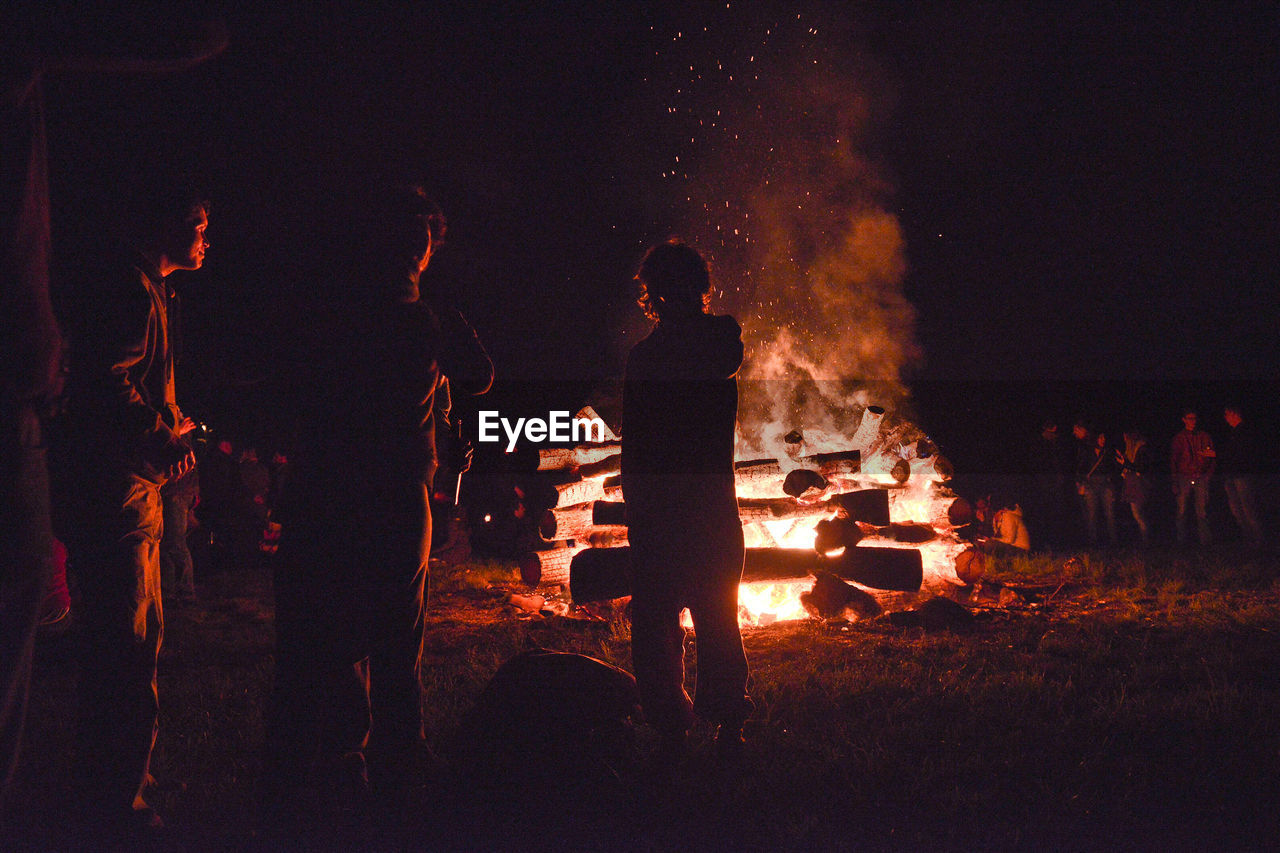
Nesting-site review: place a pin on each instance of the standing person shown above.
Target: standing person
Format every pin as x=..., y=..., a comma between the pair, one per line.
x=1135, y=471
x=125, y=440
x=1236, y=463
x=1192, y=459
x=351, y=569
x=1096, y=470
x=1051, y=468
x=29, y=355
x=680, y=401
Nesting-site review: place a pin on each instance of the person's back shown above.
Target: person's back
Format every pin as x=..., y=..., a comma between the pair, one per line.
x=679, y=417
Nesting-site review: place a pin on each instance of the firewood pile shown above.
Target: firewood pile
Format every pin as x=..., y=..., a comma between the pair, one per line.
x=839, y=501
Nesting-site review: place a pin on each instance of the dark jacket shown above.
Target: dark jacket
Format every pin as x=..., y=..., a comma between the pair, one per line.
x=120, y=389
x=1096, y=465
x=371, y=417
x=1185, y=457
x=1240, y=452
x=679, y=410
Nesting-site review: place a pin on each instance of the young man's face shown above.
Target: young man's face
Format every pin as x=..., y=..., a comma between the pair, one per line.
x=1232, y=417
x=1189, y=420
x=188, y=242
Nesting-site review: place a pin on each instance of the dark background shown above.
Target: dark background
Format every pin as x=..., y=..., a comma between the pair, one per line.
x=1088, y=194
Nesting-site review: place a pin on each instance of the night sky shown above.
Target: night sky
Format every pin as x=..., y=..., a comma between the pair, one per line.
x=1081, y=194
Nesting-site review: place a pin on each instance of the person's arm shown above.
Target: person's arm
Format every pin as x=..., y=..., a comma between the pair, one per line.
x=463, y=358
x=114, y=340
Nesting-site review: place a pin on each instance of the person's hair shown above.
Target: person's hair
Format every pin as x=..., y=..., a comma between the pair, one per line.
x=394, y=222
x=673, y=277
x=158, y=208
x=1189, y=411
x=1233, y=406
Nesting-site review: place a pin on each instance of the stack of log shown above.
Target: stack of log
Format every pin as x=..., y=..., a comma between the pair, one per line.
x=585, y=533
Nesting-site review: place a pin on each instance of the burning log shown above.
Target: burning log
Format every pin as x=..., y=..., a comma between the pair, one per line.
x=869, y=505
x=609, y=512
x=802, y=480
x=901, y=471
x=573, y=458
x=755, y=510
x=845, y=532
x=868, y=433
x=832, y=534
x=550, y=566
x=605, y=536
x=605, y=467
x=613, y=488
x=767, y=475
x=575, y=522
x=567, y=523
x=601, y=573
x=832, y=597
x=564, y=495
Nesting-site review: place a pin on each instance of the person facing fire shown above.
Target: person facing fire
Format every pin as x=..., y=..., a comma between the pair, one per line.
x=124, y=438
x=680, y=400
x=351, y=570
x=1192, y=459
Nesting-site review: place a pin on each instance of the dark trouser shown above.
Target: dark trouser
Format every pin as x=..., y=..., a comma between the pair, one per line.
x=349, y=629
x=1240, y=498
x=175, y=556
x=1099, y=497
x=700, y=571
x=113, y=547
x=26, y=544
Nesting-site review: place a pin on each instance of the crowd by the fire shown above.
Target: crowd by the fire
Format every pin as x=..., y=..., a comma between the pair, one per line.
x=1099, y=489
x=128, y=481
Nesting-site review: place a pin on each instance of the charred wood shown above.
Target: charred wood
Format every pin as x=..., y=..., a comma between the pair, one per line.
x=869, y=505
x=831, y=597
x=608, y=512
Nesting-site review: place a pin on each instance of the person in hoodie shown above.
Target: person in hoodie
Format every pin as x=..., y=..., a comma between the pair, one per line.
x=680, y=402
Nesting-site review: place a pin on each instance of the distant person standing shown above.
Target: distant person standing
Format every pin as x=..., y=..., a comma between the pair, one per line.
x=125, y=439
x=1192, y=458
x=1050, y=509
x=1135, y=472
x=1236, y=463
x=1096, y=470
x=680, y=404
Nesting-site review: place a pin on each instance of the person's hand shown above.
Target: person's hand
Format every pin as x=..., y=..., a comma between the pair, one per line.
x=1209, y=451
x=463, y=451
x=182, y=466
x=186, y=426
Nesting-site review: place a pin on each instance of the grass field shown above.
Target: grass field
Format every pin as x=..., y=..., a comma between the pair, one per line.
x=1131, y=702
